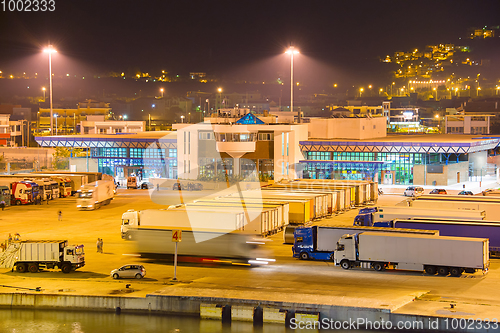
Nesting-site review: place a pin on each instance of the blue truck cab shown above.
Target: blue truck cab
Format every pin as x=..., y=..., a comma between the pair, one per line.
x=365, y=219
x=306, y=245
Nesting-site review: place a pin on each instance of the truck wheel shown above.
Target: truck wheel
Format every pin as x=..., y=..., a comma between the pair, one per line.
x=304, y=256
x=21, y=268
x=443, y=271
x=115, y=276
x=33, y=268
x=138, y=276
x=455, y=271
x=345, y=264
x=431, y=270
x=378, y=266
x=66, y=268
x=18, y=202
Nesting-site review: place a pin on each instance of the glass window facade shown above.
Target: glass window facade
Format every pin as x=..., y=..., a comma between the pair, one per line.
x=121, y=162
x=358, y=166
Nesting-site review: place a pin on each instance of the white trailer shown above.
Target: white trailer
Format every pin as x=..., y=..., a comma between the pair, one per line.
x=258, y=220
x=94, y=195
x=442, y=254
x=491, y=209
x=31, y=255
x=218, y=219
x=373, y=215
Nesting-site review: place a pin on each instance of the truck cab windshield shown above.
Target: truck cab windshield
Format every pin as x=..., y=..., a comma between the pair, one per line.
x=86, y=195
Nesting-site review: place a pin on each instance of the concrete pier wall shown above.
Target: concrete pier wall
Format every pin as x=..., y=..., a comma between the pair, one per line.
x=190, y=306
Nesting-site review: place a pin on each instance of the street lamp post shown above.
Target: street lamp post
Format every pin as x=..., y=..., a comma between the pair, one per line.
x=436, y=92
x=291, y=51
x=161, y=90
x=360, y=92
x=43, y=89
x=182, y=119
x=50, y=50
x=55, y=116
x=220, y=97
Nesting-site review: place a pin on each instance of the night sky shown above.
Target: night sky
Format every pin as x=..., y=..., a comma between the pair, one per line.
x=224, y=37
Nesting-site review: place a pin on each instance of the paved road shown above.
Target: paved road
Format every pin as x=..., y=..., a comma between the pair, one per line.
x=286, y=279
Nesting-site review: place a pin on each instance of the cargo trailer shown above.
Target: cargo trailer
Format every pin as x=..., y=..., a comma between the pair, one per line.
x=433, y=254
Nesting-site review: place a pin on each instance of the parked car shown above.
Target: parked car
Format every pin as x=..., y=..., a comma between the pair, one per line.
x=438, y=191
x=178, y=186
x=465, y=193
x=146, y=185
x=129, y=271
x=413, y=191
x=194, y=186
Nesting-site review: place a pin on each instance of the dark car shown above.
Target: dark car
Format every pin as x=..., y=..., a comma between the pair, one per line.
x=438, y=191
x=178, y=186
x=465, y=193
x=146, y=185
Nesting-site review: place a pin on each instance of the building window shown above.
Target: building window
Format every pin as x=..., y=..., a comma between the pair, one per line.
x=118, y=130
x=102, y=131
x=266, y=136
x=206, y=135
x=287, y=143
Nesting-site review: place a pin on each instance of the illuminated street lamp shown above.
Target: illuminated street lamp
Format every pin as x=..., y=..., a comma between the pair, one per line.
x=392, y=86
x=360, y=91
x=380, y=91
x=291, y=51
x=220, y=97
x=50, y=50
x=182, y=119
x=436, y=92
x=161, y=90
x=43, y=89
x=496, y=92
x=55, y=116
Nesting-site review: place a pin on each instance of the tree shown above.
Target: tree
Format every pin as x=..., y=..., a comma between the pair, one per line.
x=60, y=158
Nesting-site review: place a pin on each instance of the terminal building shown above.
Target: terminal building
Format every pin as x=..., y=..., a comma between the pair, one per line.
x=237, y=143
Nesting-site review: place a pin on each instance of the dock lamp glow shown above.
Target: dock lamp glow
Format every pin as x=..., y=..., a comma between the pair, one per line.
x=50, y=49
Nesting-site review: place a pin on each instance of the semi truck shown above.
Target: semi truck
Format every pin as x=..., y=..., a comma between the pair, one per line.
x=377, y=216
x=320, y=242
x=21, y=191
x=208, y=245
x=460, y=228
x=32, y=255
x=5, y=195
x=94, y=195
x=433, y=254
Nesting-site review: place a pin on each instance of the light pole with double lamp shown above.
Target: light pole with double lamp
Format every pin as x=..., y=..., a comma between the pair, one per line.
x=291, y=51
x=50, y=49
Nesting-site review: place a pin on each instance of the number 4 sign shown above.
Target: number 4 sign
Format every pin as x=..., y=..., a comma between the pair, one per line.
x=176, y=235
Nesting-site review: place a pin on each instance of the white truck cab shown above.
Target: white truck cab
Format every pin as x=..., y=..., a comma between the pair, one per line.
x=346, y=250
x=129, y=218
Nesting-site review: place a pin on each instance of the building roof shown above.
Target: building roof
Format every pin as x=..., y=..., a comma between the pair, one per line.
x=163, y=139
x=425, y=143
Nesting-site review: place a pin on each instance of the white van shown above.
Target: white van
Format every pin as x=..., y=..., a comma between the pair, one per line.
x=132, y=182
x=413, y=191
